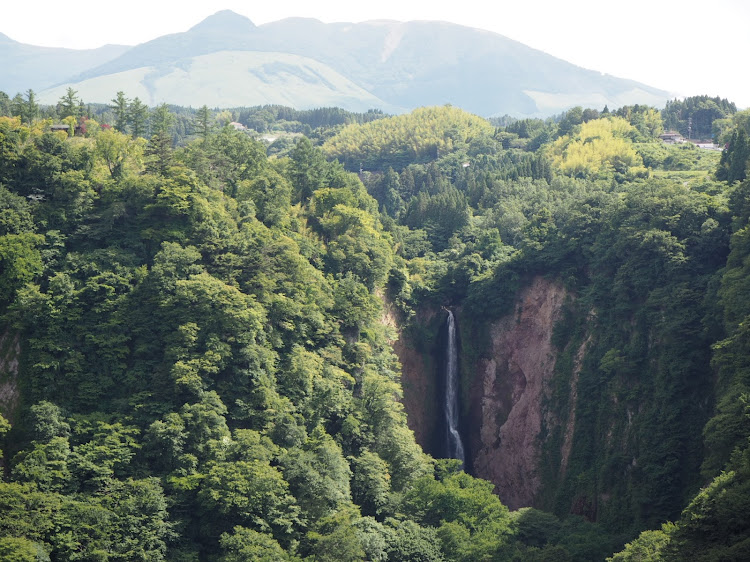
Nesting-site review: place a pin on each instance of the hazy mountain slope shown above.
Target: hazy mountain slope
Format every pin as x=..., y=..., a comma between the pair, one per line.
x=403, y=64
x=230, y=79
x=223, y=31
x=27, y=66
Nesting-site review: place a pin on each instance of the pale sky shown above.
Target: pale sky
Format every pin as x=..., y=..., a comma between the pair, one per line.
x=687, y=47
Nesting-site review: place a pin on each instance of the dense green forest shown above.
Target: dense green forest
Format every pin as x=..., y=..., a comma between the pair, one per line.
x=195, y=364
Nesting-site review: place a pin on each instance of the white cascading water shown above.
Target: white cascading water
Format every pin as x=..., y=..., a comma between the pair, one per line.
x=455, y=448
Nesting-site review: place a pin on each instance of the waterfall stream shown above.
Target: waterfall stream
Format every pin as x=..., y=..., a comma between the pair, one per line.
x=455, y=448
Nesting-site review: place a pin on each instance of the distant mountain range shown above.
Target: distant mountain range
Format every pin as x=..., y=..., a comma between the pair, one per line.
x=227, y=61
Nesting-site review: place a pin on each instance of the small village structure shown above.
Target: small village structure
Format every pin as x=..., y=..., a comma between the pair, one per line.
x=673, y=137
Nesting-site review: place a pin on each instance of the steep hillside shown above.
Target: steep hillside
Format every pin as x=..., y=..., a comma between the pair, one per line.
x=589, y=292
x=197, y=367
x=197, y=359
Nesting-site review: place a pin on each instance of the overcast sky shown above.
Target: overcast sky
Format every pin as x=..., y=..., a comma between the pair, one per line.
x=687, y=47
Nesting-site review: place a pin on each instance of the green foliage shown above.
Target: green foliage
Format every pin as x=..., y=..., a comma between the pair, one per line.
x=4, y=428
x=647, y=120
x=69, y=104
x=648, y=547
x=535, y=528
x=20, y=262
x=735, y=158
x=412, y=543
x=116, y=150
x=120, y=107
x=246, y=544
x=318, y=475
x=185, y=326
x=597, y=147
x=677, y=157
x=206, y=374
x=471, y=522
x=371, y=484
x=278, y=117
x=129, y=523
x=694, y=116
x=355, y=243
x=398, y=141
x=250, y=493
x=5, y=104
x=21, y=550
x=440, y=215
x=336, y=538
x=712, y=527
x=29, y=108
x=159, y=147
x=309, y=170
x=137, y=118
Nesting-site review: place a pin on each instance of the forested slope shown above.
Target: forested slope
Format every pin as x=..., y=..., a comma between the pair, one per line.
x=195, y=365
x=635, y=421
x=203, y=373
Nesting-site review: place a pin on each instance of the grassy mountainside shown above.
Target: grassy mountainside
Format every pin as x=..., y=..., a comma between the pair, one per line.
x=230, y=79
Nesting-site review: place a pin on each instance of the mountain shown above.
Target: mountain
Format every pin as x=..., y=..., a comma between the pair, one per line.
x=231, y=79
x=28, y=66
x=386, y=64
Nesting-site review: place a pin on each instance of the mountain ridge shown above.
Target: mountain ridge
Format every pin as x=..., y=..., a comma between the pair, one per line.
x=399, y=63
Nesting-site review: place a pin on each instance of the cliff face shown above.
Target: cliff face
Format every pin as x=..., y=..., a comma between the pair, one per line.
x=508, y=393
x=421, y=398
x=10, y=350
x=506, y=421
x=509, y=384
x=596, y=414
x=420, y=395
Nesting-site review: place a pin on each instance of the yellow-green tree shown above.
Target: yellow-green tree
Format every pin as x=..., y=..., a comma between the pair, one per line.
x=599, y=147
x=424, y=134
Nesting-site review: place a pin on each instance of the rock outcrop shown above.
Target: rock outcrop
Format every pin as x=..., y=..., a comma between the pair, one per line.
x=508, y=394
x=506, y=421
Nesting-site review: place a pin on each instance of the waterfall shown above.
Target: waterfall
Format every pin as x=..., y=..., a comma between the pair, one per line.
x=455, y=449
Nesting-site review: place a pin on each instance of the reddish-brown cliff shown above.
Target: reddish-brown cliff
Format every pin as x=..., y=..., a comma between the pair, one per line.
x=508, y=394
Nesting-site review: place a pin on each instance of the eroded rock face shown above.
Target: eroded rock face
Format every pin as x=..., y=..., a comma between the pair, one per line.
x=506, y=418
x=419, y=393
x=418, y=380
x=10, y=350
x=508, y=394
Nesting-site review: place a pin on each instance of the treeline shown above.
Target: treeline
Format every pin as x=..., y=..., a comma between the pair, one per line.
x=270, y=117
x=694, y=116
x=714, y=525
x=133, y=115
x=398, y=141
